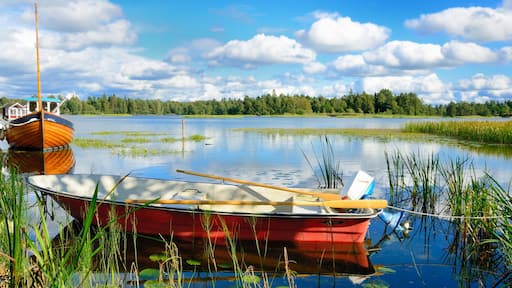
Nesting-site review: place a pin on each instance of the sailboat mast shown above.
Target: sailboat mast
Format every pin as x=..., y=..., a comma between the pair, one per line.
x=39, y=101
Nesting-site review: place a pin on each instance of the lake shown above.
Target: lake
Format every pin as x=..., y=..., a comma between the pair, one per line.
x=420, y=258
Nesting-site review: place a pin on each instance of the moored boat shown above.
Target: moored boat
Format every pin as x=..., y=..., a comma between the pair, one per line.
x=37, y=125
x=218, y=211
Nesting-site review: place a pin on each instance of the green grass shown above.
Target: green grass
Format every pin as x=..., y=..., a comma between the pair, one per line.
x=491, y=132
x=477, y=207
x=135, y=144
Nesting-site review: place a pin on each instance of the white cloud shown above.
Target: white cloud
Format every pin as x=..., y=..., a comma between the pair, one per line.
x=506, y=54
x=429, y=87
x=75, y=15
x=406, y=55
x=460, y=52
x=314, y=67
x=356, y=65
x=334, y=34
x=115, y=33
x=472, y=23
x=261, y=49
x=482, y=88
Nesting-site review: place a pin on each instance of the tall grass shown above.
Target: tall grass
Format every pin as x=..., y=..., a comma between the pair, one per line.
x=13, y=224
x=492, y=132
x=475, y=204
x=328, y=172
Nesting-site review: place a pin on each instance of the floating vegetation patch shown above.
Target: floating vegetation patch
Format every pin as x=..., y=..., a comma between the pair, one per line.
x=136, y=140
x=95, y=143
x=130, y=133
x=492, y=132
x=135, y=144
x=135, y=151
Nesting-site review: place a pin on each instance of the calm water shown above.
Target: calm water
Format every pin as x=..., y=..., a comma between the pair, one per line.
x=420, y=260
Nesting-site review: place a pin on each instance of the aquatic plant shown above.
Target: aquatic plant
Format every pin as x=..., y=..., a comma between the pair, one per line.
x=13, y=223
x=495, y=132
x=476, y=207
x=328, y=172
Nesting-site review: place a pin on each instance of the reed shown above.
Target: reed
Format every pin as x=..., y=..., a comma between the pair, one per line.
x=328, y=173
x=476, y=206
x=492, y=132
x=13, y=223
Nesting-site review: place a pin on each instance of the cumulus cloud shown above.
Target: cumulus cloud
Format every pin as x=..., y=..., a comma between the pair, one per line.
x=314, y=67
x=115, y=33
x=461, y=52
x=356, y=65
x=406, y=54
x=481, y=88
x=334, y=34
x=429, y=87
x=75, y=16
x=261, y=49
x=195, y=48
x=74, y=25
x=506, y=54
x=480, y=24
x=406, y=57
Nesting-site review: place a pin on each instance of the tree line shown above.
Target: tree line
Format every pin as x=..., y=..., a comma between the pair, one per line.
x=383, y=102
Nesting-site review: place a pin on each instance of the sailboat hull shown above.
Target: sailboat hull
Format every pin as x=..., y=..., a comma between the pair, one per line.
x=27, y=133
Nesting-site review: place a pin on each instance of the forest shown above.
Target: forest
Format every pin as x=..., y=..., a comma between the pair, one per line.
x=384, y=102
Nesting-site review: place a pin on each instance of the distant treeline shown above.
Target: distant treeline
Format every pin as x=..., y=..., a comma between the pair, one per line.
x=383, y=102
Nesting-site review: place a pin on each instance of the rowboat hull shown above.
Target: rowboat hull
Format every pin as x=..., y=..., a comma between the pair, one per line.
x=74, y=194
x=27, y=133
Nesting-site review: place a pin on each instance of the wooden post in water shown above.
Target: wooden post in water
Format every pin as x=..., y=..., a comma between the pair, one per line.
x=182, y=138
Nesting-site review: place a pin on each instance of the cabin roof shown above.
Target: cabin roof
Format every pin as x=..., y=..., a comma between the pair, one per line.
x=44, y=99
x=12, y=105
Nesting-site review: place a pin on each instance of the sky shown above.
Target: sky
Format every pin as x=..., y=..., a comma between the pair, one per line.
x=200, y=50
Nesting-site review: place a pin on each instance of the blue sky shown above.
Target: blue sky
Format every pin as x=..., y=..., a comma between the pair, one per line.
x=197, y=50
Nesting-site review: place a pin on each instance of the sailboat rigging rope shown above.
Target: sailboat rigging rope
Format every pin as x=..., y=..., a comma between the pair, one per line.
x=447, y=217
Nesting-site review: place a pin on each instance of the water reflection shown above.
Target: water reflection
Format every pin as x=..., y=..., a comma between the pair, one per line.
x=39, y=162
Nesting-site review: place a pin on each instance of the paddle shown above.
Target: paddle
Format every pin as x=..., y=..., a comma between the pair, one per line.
x=324, y=196
x=345, y=204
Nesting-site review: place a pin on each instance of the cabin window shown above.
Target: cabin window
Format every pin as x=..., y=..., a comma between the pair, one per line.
x=32, y=106
x=53, y=105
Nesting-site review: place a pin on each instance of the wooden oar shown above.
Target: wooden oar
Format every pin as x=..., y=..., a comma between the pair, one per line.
x=345, y=204
x=324, y=196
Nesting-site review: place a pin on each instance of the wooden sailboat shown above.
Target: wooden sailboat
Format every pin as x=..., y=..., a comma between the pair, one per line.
x=41, y=129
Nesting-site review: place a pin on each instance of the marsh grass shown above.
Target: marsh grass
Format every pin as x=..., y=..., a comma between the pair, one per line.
x=476, y=206
x=492, y=132
x=328, y=171
x=13, y=224
x=136, y=143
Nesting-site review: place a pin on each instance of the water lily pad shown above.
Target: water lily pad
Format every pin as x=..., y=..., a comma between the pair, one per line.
x=375, y=284
x=158, y=257
x=149, y=273
x=251, y=279
x=155, y=284
x=225, y=265
x=193, y=262
x=385, y=270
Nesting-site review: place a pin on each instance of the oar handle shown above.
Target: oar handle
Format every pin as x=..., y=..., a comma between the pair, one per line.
x=345, y=204
x=324, y=196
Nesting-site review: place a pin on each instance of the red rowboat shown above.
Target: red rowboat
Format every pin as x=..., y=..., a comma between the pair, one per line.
x=202, y=210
